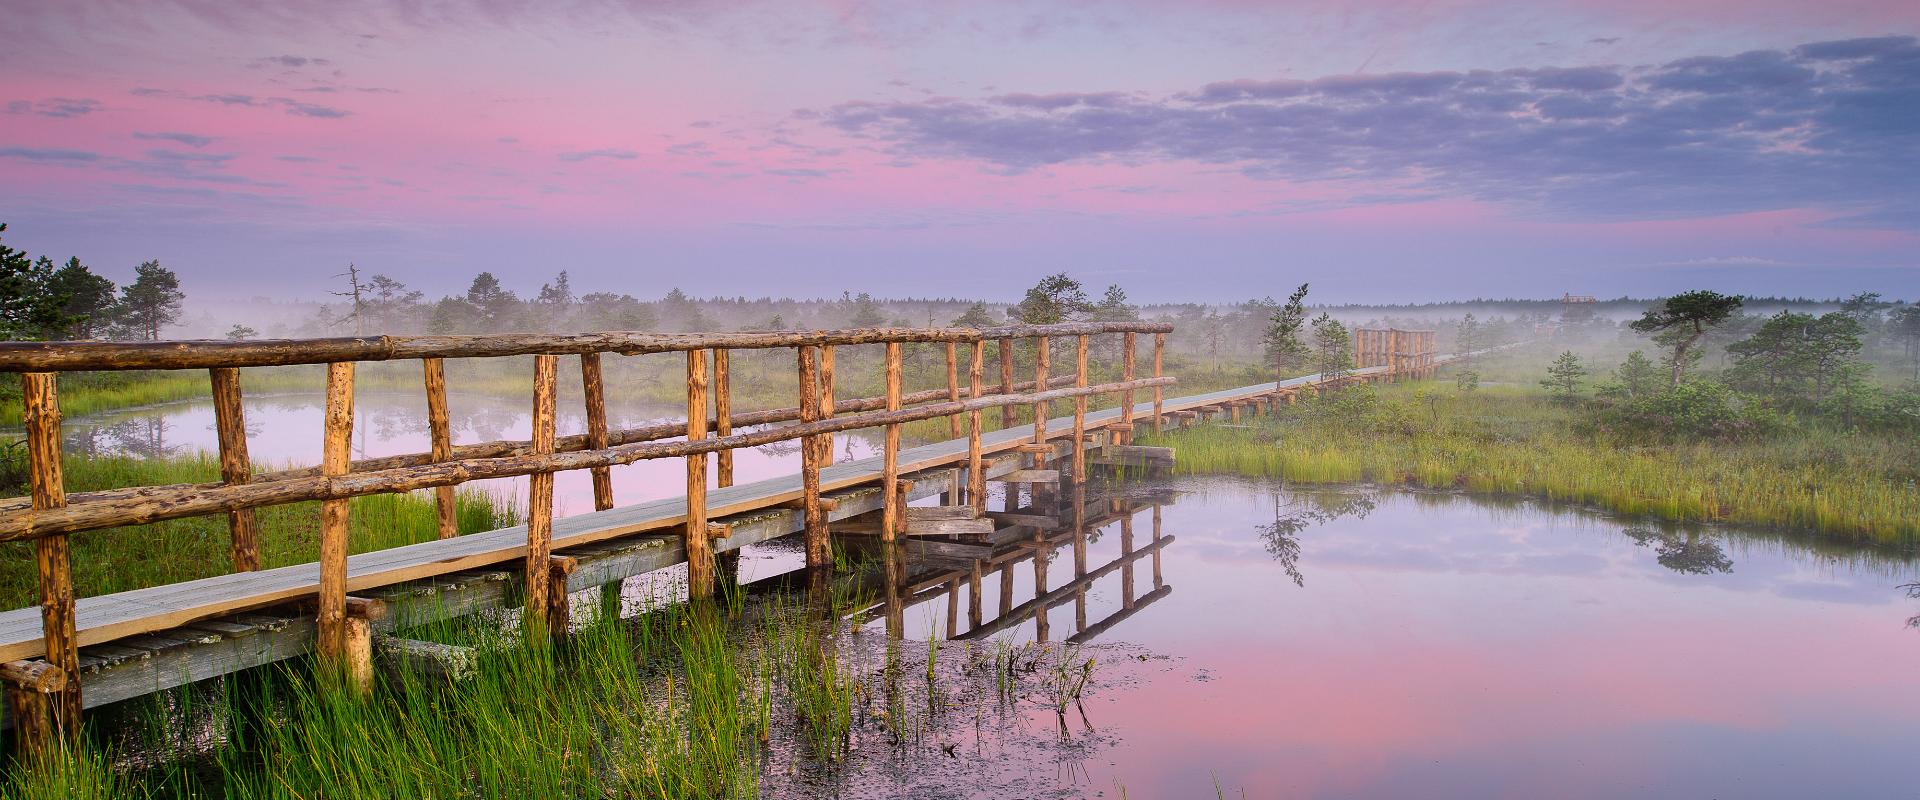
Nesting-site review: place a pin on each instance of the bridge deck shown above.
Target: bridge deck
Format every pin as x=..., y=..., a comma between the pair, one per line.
x=107, y=618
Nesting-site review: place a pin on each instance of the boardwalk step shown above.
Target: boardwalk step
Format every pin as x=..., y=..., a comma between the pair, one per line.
x=940, y=512
x=1030, y=476
x=1029, y=520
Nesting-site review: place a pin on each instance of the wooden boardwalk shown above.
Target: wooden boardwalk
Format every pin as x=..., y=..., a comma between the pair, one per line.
x=105, y=618
x=147, y=640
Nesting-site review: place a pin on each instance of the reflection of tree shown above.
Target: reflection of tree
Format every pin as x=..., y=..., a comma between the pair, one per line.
x=1302, y=512
x=144, y=437
x=1688, y=556
x=1913, y=591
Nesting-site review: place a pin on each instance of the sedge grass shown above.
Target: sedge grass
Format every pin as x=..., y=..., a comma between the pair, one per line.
x=1520, y=442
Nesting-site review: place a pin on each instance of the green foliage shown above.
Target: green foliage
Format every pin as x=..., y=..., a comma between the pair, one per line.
x=1796, y=357
x=151, y=302
x=1565, y=374
x=1055, y=299
x=1113, y=306
x=1679, y=322
x=1332, y=347
x=976, y=317
x=90, y=303
x=1635, y=378
x=30, y=306
x=1281, y=343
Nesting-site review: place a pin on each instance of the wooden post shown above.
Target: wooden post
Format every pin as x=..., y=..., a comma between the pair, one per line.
x=230, y=427
x=976, y=475
x=1006, y=380
x=1080, y=410
x=559, y=608
x=826, y=403
x=356, y=656
x=890, y=468
x=540, y=491
x=1159, y=351
x=593, y=385
x=1041, y=356
x=335, y=457
x=40, y=403
x=33, y=690
x=953, y=387
x=973, y=594
x=441, y=432
x=819, y=549
x=722, y=417
x=1126, y=397
x=694, y=539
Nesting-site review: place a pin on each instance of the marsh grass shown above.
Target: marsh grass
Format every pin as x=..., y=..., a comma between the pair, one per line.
x=1514, y=441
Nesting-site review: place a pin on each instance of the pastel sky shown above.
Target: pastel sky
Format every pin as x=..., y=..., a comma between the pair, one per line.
x=1386, y=150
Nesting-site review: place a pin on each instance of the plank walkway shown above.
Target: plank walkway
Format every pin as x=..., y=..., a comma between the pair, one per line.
x=105, y=619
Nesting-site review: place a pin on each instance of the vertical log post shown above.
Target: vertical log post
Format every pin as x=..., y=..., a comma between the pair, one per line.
x=540, y=494
x=335, y=457
x=976, y=474
x=819, y=551
x=1005, y=346
x=1080, y=410
x=890, y=468
x=52, y=559
x=826, y=403
x=1126, y=397
x=953, y=387
x=1159, y=353
x=973, y=595
x=441, y=432
x=722, y=417
x=593, y=385
x=1042, y=354
x=695, y=541
x=230, y=426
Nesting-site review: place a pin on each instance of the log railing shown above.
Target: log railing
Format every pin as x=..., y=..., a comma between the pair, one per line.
x=50, y=701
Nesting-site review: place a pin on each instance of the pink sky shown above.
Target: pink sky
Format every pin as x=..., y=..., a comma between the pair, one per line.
x=714, y=147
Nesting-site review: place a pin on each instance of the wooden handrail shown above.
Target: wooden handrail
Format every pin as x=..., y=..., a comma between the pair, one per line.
x=206, y=354
x=189, y=500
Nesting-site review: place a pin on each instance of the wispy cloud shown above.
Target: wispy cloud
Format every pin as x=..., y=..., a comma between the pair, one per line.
x=583, y=155
x=57, y=107
x=1829, y=124
x=188, y=139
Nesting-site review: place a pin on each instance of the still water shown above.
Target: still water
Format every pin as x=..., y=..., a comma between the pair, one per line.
x=1264, y=641
x=283, y=430
x=1357, y=643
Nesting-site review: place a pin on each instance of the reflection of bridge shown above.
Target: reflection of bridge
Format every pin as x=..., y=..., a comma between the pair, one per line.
x=947, y=572
x=131, y=643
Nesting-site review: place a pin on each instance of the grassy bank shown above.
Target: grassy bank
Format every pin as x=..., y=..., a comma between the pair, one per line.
x=679, y=701
x=121, y=559
x=1519, y=441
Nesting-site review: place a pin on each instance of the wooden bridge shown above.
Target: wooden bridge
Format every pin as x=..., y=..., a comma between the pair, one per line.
x=73, y=652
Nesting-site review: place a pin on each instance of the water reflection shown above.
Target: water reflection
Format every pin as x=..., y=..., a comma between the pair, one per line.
x=1687, y=553
x=1446, y=648
x=283, y=430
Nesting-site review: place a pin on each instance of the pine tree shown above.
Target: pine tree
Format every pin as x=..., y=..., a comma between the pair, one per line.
x=976, y=318
x=1113, y=306
x=1679, y=322
x=1055, y=299
x=151, y=302
x=1333, y=347
x=1281, y=342
x=89, y=300
x=1564, y=375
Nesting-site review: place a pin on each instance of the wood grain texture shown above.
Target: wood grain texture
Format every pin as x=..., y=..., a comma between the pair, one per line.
x=540, y=487
x=593, y=386
x=60, y=641
x=440, y=432
x=723, y=417
x=230, y=429
x=693, y=538
x=890, y=450
x=335, y=454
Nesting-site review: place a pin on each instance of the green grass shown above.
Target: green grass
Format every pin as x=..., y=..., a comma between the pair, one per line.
x=121, y=559
x=1517, y=441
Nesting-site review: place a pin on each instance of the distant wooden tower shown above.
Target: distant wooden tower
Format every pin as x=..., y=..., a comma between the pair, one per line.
x=1576, y=308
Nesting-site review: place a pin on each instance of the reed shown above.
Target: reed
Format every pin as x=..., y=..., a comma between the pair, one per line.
x=1517, y=441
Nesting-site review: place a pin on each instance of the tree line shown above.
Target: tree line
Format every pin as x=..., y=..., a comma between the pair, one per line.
x=40, y=301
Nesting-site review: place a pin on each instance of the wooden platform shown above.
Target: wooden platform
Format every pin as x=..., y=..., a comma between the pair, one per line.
x=418, y=581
